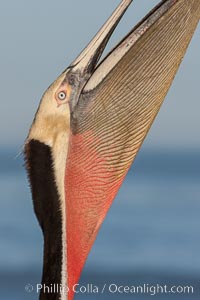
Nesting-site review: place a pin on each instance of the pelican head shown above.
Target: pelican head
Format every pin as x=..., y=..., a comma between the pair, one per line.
x=53, y=115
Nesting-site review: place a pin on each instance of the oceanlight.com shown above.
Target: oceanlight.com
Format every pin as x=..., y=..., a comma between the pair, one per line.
x=112, y=288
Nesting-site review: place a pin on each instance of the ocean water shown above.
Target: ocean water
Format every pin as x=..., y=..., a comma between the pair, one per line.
x=150, y=236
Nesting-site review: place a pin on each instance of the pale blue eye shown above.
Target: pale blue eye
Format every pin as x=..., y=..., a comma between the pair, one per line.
x=62, y=96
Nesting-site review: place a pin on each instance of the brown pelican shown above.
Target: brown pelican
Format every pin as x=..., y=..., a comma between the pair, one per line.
x=89, y=126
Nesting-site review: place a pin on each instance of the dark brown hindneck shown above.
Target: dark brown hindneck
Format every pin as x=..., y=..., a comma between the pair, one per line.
x=48, y=211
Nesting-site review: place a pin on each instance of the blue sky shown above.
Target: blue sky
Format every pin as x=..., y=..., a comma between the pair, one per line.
x=39, y=39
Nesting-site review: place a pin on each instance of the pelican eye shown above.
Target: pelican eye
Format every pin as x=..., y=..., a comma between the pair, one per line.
x=62, y=96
